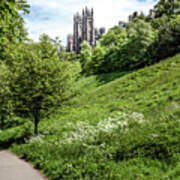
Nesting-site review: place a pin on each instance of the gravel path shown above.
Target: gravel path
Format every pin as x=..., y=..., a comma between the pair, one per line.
x=13, y=168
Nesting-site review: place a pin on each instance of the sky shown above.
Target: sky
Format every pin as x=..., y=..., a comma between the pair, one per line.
x=55, y=17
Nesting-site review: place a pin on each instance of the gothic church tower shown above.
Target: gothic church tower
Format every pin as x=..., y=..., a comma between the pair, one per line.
x=88, y=32
x=83, y=30
x=77, y=34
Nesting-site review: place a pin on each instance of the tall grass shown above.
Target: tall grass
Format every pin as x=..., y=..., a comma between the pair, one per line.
x=119, y=126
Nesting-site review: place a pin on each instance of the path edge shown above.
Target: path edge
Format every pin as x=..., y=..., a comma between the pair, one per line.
x=29, y=163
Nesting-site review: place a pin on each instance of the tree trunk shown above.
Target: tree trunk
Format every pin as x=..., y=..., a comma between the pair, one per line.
x=36, y=121
x=2, y=122
x=36, y=126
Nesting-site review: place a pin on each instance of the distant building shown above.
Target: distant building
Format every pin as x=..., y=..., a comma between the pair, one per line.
x=151, y=15
x=133, y=16
x=83, y=30
x=122, y=24
x=70, y=43
x=99, y=33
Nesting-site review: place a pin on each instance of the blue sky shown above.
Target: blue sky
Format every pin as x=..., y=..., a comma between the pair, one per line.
x=55, y=17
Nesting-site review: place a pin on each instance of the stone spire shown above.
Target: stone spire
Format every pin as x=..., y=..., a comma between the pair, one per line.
x=83, y=30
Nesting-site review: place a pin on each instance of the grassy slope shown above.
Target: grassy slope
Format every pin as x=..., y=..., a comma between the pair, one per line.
x=148, y=150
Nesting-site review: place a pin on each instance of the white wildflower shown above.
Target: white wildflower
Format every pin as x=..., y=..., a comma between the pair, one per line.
x=36, y=139
x=138, y=117
x=83, y=132
x=155, y=135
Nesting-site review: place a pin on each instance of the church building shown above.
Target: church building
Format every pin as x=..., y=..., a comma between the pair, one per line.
x=83, y=30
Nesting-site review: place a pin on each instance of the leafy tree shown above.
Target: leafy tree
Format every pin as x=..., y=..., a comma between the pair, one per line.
x=11, y=23
x=166, y=7
x=111, y=37
x=138, y=50
x=85, y=57
x=142, y=16
x=168, y=42
x=114, y=55
x=98, y=58
x=6, y=107
x=110, y=49
x=36, y=83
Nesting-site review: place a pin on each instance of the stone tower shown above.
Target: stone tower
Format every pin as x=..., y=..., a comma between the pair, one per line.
x=69, y=43
x=83, y=30
x=77, y=33
x=88, y=32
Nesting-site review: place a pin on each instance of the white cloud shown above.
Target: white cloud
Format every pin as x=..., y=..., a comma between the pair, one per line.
x=55, y=17
x=108, y=13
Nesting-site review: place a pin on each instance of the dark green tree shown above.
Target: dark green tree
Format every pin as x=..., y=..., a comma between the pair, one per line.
x=168, y=42
x=11, y=23
x=112, y=36
x=6, y=105
x=98, y=59
x=85, y=57
x=141, y=37
x=167, y=7
x=37, y=83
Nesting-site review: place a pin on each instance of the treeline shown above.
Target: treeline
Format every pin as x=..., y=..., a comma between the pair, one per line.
x=141, y=43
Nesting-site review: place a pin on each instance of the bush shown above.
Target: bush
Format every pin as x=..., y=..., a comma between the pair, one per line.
x=15, y=135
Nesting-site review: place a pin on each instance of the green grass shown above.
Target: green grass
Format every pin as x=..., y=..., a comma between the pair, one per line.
x=119, y=126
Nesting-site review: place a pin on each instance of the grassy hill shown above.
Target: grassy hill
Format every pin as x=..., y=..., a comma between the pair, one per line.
x=120, y=126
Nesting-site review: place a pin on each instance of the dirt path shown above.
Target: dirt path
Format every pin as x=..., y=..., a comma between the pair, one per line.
x=13, y=168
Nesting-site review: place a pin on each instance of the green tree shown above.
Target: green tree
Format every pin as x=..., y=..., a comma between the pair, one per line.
x=138, y=51
x=115, y=54
x=85, y=57
x=6, y=107
x=168, y=42
x=11, y=23
x=36, y=83
x=110, y=48
x=98, y=59
x=167, y=7
x=112, y=36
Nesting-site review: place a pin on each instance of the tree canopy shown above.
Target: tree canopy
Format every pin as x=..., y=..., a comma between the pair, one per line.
x=12, y=23
x=36, y=81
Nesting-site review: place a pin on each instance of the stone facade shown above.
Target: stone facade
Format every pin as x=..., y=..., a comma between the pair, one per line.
x=83, y=30
x=122, y=24
x=133, y=16
x=70, y=43
x=151, y=15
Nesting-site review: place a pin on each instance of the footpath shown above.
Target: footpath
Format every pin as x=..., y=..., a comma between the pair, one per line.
x=14, y=168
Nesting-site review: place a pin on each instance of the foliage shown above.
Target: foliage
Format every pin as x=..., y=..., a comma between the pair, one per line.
x=124, y=49
x=106, y=55
x=118, y=123
x=5, y=104
x=15, y=135
x=85, y=56
x=128, y=124
x=141, y=43
x=11, y=23
x=37, y=82
x=98, y=59
x=141, y=38
x=166, y=7
x=111, y=38
x=168, y=42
